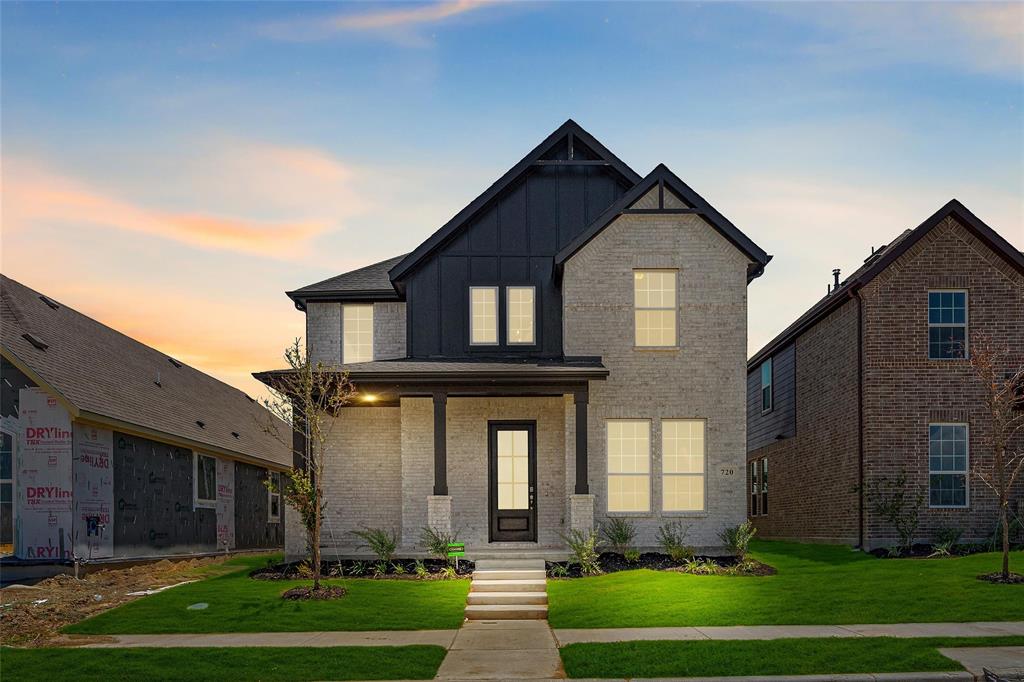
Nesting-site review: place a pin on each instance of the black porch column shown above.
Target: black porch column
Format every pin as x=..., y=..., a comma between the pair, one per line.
x=440, y=444
x=582, y=486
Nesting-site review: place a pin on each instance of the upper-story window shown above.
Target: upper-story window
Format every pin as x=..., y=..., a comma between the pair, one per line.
x=483, y=315
x=947, y=325
x=947, y=465
x=520, y=304
x=767, y=396
x=357, y=333
x=654, y=301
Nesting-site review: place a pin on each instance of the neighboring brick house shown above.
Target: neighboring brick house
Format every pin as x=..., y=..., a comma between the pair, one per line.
x=568, y=348
x=872, y=379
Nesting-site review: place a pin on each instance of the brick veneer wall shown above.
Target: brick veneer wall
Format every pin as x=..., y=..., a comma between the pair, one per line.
x=704, y=378
x=324, y=330
x=813, y=474
x=904, y=391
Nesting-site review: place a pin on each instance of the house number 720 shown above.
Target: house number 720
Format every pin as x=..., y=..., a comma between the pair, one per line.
x=728, y=471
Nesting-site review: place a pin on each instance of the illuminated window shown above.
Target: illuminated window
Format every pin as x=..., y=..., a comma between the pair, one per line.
x=654, y=301
x=520, y=315
x=947, y=325
x=947, y=465
x=483, y=315
x=513, y=469
x=274, y=496
x=357, y=328
x=205, y=478
x=629, y=465
x=682, y=464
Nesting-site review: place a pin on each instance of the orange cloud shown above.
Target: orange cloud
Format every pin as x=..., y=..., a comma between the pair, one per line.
x=33, y=194
x=403, y=17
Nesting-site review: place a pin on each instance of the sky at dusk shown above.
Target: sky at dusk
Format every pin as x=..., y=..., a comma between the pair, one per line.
x=172, y=169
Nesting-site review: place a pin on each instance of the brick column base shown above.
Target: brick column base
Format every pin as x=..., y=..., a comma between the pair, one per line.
x=581, y=513
x=439, y=513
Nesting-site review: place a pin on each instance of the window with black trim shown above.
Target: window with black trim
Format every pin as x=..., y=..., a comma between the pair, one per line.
x=274, y=496
x=754, y=490
x=764, y=486
x=205, y=477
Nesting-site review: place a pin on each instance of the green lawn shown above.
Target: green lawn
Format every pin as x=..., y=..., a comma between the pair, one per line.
x=770, y=657
x=223, y=664
x=238, y=603
x=815, y=584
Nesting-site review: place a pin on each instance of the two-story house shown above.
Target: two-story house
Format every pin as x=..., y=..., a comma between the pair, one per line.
x=569, y=347
x=874, y=381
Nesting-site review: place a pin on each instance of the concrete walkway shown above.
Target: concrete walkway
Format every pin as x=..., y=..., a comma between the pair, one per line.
x=502, y=650
x=443, y=638
x=1005, y=661
x=573, y=636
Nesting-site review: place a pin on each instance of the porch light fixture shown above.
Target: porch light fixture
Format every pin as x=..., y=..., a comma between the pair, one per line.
x=369, y=398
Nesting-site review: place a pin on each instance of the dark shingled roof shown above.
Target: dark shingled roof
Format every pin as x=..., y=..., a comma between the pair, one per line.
x=367, y=283
x=110, y=378
x=883, y=258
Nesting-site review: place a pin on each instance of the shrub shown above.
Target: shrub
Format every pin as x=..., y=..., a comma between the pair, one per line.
x=357, y=568
x=381, y=542
x=632, y=555
x=945, y=541
x=398, y=569
x=584, y=550
x=559, y=570
x=448, y=573
x=619, y=533
x=380, y=568
x=892, y=500
x=420, y=570
x=436, y=542
x=737, y=538
x=672, y=539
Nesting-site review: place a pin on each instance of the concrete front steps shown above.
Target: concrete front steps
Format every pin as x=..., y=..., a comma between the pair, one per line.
x=508, y=589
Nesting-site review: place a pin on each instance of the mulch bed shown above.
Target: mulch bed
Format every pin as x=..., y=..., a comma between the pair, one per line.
x=612, y=562
x=997, y=577
x=397, y=569
x=307, y=593
x=925, y=551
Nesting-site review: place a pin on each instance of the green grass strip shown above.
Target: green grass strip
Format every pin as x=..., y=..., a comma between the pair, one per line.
x=810, y=656
x=237, y=603
x=223, y=664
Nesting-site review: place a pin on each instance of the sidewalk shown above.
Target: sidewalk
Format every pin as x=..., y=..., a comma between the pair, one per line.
x=447, y=638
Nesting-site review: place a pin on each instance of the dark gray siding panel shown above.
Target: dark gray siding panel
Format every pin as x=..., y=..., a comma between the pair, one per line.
x=510, y=241
x=153, y=511
x=252, y=528
x=764, y=429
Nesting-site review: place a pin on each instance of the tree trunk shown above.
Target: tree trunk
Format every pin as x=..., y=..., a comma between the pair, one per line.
x=1006, y=538
x=316, y=542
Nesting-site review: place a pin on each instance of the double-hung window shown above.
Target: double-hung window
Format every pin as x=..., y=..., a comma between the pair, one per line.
x=629, y=465
x=483, y=316
x=947, y=465
x=947, y=325
x=682, y=464
x=767, y=396
x=755, y=489
x=520, y=304
x=205, y=478
x=764, y=486
x=654, y=302
x=274, y=496
x=357, y=333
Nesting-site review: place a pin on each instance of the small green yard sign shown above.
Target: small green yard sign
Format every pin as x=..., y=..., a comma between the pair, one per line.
x=456, y=549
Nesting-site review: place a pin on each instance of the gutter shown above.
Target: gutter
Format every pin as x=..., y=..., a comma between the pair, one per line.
x=860, y=418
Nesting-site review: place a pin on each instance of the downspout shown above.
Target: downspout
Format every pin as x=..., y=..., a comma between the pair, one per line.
x=860, y=420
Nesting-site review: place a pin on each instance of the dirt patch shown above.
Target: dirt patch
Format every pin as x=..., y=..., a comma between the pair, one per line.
x=1013, y=579
x=309, y=594
x=33, y=616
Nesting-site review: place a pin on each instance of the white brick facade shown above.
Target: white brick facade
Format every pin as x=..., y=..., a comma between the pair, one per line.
x=324, y=330
x=704, y=379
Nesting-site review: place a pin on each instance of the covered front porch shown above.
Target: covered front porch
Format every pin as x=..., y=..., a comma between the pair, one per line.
x=493, y=453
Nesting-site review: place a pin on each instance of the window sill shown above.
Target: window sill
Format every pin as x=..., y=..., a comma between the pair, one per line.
x=686, y=514
x=657, y=349
x=951, y=507
x=204, y=504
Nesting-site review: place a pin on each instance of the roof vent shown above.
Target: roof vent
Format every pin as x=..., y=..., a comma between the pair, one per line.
x=49, y=301
x=157, y=380
x=35, y=341
x=235, y=434
x=201, y=424
x=174, y=362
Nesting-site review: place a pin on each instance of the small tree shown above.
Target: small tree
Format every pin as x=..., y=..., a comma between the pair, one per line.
x=1001, y=377
x=306, y=398
x=891, y=500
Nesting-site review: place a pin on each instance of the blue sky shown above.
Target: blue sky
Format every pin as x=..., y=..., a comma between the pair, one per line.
x=181, y=165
